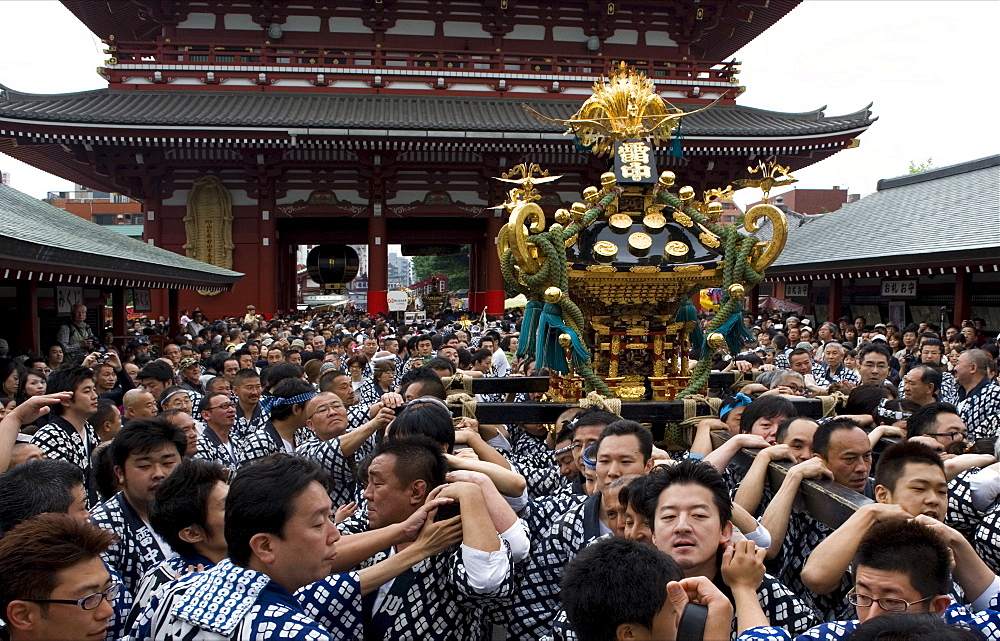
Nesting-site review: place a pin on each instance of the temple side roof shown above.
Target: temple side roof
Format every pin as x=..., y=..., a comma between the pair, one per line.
x=39, y=239
x=341, y=111
x=960, y=199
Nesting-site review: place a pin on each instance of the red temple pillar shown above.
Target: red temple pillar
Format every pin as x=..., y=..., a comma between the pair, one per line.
x=475, y=289
x=963, y=298
x=378, y=266
x=119, y=315
x=173, y=313
x=267, y=263
x=495, y=294
x=27, y=314
x=836, y=300
x=753, y=305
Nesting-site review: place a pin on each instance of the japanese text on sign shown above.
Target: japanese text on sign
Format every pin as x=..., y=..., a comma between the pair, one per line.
x=801, y=289
x=67, y=297
x=899, y=288
x=634, y=162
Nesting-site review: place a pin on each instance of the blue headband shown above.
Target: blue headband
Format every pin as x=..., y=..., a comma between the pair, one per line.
x=588, y=462
x=269, y=402
x=737, y=401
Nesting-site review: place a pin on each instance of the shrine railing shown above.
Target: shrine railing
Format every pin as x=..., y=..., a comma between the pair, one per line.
x=179, y=57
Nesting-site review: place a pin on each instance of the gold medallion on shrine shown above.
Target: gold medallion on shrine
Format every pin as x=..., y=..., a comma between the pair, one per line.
x=639, y=243
x=605, y=250
x=676, y=248
x=654, y=221
x=620, y=221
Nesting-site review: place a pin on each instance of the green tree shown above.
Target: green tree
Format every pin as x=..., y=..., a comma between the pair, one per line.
x=454, y=266
x=916, y=168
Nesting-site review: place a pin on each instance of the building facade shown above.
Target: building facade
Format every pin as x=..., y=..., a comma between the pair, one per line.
x=384, y=123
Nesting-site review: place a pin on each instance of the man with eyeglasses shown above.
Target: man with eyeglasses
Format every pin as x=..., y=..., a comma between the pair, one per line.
x=904, y=566
x=216, y=442
x=873, y=363
x=55, y=585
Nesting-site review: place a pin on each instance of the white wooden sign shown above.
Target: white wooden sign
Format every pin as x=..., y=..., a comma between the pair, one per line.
x=141, y=300
x=798, y=289
x=66, y=298
x=899, y=288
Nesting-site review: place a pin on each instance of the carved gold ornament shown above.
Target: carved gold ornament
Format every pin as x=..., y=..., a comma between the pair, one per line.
x=644, y=269
x=517, y=234
x=682, y=218
x=677, y=248
x=604, y=269
x=708, y=239
x=779, y=233
x=689, y=269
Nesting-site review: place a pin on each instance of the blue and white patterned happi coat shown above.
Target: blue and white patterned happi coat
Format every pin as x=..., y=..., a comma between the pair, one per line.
x=232, y=602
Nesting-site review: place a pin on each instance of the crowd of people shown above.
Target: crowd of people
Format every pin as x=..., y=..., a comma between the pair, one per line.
x=303, y=477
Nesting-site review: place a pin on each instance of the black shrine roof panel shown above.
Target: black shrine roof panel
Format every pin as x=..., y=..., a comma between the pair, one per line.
x=39, y=237
x=962, y=196
x=203, y=109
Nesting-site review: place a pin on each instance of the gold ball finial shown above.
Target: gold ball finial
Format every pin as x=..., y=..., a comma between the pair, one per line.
x=555, y=228
x=562, y=216
x=715, y=340
x=608, y=179
x=714, y=209
x=591, y=194
x=577, y=210
x=565, y=341
x=686, y=193
x=667, y=178
x=737, y=291
x=553, y=294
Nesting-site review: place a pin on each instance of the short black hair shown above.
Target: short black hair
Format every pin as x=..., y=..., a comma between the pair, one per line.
x=480, y=355
x=425, y=418
x=328, y=377
x=868, y=348
x=245, y=374
x=616, y=581
x=783, y=426
x=625, y=427
x=156, y=370
x=417, y=373
x=428, y=387
x=289, y=388
x=926, y=626
x=440, y=362
x=106, y=411
x=893, y=461
x=765, y=407
x=102, y=471
x=923, y=420
x=142, y=435
x=417, y=457
x=34, y=487
x=181, y=501
x=636, y=496
x=688, y=472
x=821, y=439
x=863, y=399
x=261, y=499
x=907, y=547
x=66, y=379
x=590, y=417
x=280, y=371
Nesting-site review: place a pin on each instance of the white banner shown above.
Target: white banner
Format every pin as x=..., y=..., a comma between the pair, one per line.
x=397, y=301
x=66, y=297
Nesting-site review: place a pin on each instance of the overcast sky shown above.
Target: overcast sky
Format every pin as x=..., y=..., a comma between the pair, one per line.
x=928, y=66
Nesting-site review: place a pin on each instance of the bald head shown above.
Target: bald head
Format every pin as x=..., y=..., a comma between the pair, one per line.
x=138, y=403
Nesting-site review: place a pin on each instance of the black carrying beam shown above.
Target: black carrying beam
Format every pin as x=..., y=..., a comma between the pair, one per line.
x=828, y=502
x=642, y=411
x=513, y=384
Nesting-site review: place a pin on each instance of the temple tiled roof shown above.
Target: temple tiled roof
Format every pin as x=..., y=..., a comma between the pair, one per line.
x=267, y=110
x=951, y=212
x=37, y=237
